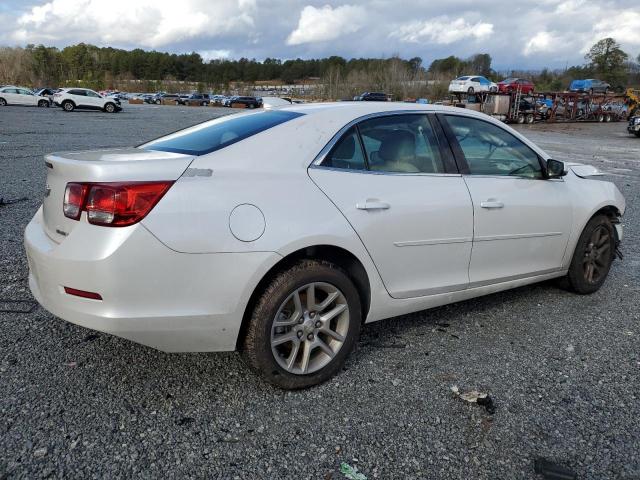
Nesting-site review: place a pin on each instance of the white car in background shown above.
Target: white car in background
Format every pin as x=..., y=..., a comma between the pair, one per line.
x=71, y=98
x=10, y=95
x=280, y=232
x=472, y=84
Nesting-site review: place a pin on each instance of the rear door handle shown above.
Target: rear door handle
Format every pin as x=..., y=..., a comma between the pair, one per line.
x=371, y=204
x=491, y=204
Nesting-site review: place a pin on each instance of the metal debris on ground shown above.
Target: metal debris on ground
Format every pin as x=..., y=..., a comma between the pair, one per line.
x=351, y=473
x=553, y=471
x=474, y=396
x=11, y=201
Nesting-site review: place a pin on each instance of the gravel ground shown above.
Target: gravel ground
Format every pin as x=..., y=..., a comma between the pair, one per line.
x=563, y=370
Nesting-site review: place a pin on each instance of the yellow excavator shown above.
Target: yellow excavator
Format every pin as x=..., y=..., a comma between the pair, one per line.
x=633, y=103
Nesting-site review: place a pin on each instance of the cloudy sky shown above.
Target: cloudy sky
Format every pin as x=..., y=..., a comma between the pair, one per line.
x=517, y=33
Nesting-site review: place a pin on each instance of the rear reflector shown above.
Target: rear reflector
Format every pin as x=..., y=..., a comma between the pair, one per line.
x=113, y=204
x=82, y=293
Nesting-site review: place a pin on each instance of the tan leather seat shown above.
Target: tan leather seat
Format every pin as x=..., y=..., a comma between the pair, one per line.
x=397, y=153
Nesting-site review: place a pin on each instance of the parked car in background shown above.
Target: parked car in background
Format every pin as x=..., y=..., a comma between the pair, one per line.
x=472, y=84
x=46, y=92
x=149, y=97
x=217, y=99
x=372, y=97
x=590, y=85
x=146, y=244
x=248, y=102
x=11, y=95
x=194, y=99
x=168, y=98
x=83, y=98
x=634, y=126
x=509, y=85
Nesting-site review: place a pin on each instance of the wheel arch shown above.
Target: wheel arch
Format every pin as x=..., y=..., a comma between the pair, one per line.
x=338, y=255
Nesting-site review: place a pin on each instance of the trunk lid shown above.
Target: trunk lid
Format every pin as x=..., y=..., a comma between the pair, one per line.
x=108, y=165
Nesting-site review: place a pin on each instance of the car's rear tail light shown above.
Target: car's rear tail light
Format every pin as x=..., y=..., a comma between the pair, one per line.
x=113, y=204
x=82, y=293
x=74, y=197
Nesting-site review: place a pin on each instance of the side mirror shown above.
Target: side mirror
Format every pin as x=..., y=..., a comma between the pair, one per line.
x=555, y=169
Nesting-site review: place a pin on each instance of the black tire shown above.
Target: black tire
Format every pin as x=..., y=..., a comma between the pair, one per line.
x=593, y=256
x=68, y=106
x=470, y=91
x=637, y=134
x=252, y=106
x=158, y=102
x=43, y=104
x=606, y=91
x=591, y=91
x=3, y=102
x=110, y=107
x=256, y=347
x=530, y=118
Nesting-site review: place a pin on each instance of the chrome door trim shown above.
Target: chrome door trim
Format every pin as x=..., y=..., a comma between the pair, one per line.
x=435, y=241
x=516, y=236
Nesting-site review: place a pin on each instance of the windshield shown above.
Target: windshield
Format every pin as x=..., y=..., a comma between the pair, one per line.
x=219, y=133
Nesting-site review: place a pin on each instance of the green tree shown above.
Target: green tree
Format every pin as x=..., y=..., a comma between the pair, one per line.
x=607, y=60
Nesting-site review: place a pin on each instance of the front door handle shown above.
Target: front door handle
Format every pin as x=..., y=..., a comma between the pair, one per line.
x=372, y=204
x=491, y=203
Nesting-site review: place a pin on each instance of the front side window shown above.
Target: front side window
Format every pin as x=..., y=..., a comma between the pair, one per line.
x=219, y=133
x=401, y=144
x=490, y=150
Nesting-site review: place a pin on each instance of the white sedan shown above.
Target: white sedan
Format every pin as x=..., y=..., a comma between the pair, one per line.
x=11, y=95
x=472, y=84
x=280, y=232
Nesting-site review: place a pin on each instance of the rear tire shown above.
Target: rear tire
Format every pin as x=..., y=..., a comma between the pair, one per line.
x=3, y=102
x=286, y=340
x=68, y=106
x=593, y=256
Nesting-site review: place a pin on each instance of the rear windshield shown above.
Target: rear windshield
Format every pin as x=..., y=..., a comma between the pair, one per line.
x=219, y=133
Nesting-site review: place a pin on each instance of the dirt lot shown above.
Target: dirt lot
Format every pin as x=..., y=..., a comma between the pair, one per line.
x=562, y=369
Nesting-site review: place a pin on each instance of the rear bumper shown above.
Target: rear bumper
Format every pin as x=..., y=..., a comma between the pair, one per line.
x=151, y=295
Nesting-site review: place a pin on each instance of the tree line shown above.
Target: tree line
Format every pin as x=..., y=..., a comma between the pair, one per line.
x=107, y=67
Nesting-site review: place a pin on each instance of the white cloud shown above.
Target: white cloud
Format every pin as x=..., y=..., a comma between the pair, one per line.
x=442, y=30
x=326, y=23
x=624, y=26
x=540, y=42
x=214, y=54
x=146, y=23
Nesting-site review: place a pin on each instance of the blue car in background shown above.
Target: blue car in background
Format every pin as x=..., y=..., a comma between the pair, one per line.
x=590, y=85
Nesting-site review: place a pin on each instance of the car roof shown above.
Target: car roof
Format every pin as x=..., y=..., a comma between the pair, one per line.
x=348, y=111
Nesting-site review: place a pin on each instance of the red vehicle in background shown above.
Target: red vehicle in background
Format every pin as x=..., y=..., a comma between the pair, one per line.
x=509, y=85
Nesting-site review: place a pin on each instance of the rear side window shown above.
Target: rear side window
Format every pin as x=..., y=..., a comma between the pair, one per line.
x=347, y=153
x=219, y=133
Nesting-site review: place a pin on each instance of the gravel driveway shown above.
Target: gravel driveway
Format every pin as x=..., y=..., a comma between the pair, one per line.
x=563, y=370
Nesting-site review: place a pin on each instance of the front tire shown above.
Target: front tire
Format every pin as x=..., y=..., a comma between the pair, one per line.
x=304, y=325
x=110, y=108
x=593, y=256
x=470, y=91
x=43, y=104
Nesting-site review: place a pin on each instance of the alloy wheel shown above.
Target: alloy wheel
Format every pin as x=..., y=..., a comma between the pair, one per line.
x=310, y=328
x=596, y=255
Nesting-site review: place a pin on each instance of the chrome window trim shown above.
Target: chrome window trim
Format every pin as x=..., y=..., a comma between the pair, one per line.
x=316, y=163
